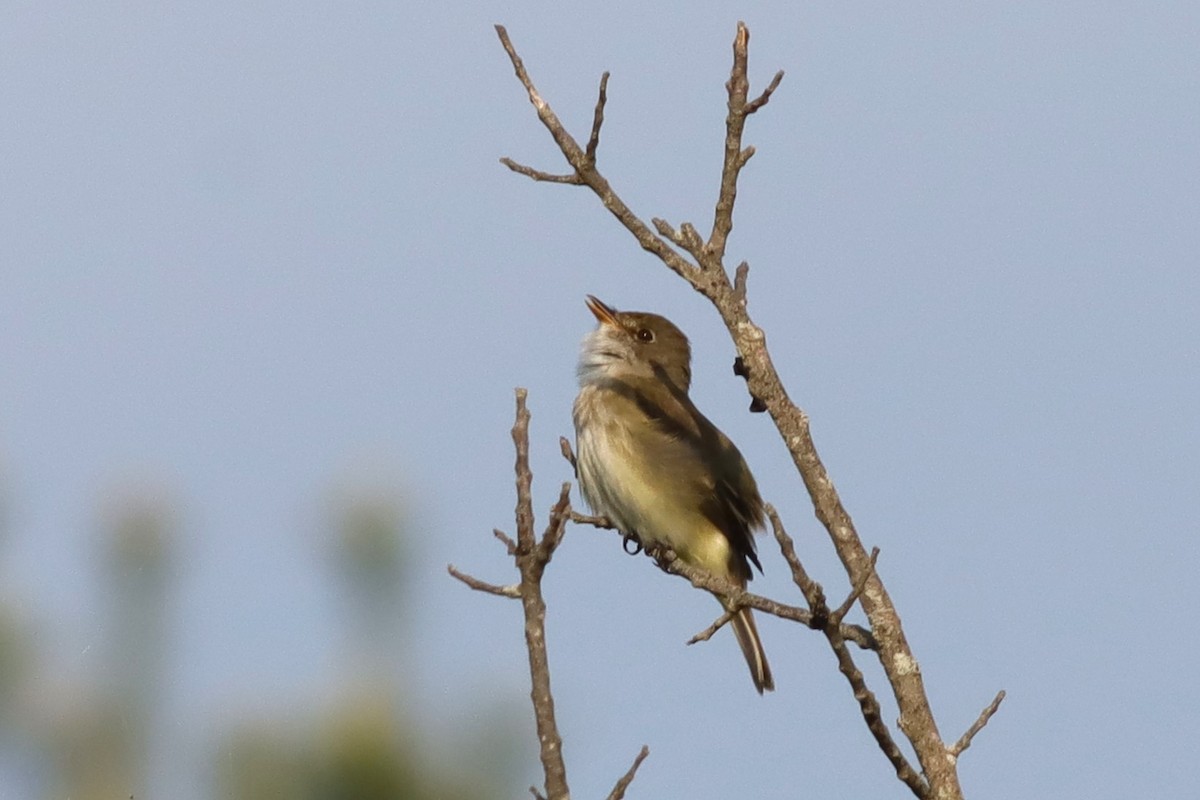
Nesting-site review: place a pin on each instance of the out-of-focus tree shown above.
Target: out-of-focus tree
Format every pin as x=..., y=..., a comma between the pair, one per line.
x=100, y=743
x=100, y=734
x=367, y=744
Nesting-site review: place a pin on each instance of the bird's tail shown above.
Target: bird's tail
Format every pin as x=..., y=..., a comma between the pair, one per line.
x=747, y=639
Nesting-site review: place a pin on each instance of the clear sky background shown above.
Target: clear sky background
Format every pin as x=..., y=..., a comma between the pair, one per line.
x=253, y=252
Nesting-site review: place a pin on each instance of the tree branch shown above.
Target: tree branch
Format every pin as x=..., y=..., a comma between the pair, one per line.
x=585, y=168
x=668, y=562
x=619, y=790
x=841, y=611
x=738, y=87
x=707, y=633
x=964, y=741
x=531, y=562
x=512, y=590
x=532, y=555
x=868, y=704
x=710, y=277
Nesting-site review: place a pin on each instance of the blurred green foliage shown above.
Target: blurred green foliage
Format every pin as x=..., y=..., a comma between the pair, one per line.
x=355, y=742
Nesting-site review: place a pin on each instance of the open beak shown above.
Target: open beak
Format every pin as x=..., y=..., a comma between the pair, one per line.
x=605, y=314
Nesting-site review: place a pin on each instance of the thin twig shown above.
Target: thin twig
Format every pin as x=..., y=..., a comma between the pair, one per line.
x=761, y=100
x=619, y=790
x=539, y=175
x=512, y=590
x=564, y=445
x=586, y=170
x=509, y=544
x=841, y=611
x=737, y=87
x=531, y=563
x=707, y=633
x=597, y=120
x=560, y=513
x=595, y=522
x=738, y=597
x=735, y=595
x=739, y=283
x=665, y=229
x=964, y=741
x=868, y=704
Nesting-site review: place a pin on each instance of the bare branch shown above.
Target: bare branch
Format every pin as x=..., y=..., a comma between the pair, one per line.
x=841, y=611
x=585, y=169
x=868, y=704
x=539, y=175
x=509, y=544
x=761, y=100
x=565, y=447
x=531, y=562
x=737, y=87
x=707, y=633
x=664, y=229
x=808, y=587
x=964, y=741
x=524, y=510
x=739, y=284
x=595, y=522
x=738, y=597
x=691, y=239
x=597, y=120
x=512, y=590
x=531, y=558
x=560, y=513
x=710, y=277
x=618, y=791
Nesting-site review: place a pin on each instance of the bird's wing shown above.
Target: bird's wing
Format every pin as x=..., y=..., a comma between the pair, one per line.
x=731, y=499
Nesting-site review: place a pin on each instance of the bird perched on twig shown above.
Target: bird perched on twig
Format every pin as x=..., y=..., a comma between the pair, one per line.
x=651, y=463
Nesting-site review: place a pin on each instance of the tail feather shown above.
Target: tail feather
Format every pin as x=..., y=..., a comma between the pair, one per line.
x=752, y=649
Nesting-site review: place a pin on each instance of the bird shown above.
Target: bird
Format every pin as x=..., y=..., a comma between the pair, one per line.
x=657, y=468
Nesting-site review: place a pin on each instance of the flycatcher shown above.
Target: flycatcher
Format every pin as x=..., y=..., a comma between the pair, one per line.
x=655, y=466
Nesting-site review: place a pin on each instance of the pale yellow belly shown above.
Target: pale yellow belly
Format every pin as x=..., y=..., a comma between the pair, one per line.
x=619, y=480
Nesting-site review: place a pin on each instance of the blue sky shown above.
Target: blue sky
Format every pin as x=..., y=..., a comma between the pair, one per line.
x=252, y=253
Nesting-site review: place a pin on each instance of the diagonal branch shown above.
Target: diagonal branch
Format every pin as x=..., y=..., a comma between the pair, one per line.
x=868, y=704
x=707, y=633
x=839, y=613
x=735, y=595
x=585, y=169
x=619, y=790
x=964, y=741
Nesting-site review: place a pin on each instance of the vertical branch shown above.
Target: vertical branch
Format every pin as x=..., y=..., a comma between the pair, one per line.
x=531, y=567
x=738, y=88
x=532, y=555
x=524, y=511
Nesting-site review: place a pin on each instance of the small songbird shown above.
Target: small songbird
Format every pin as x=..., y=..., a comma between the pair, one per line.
x=651, y=463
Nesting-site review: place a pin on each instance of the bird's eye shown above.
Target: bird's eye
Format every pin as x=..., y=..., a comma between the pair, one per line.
x=645, y=335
